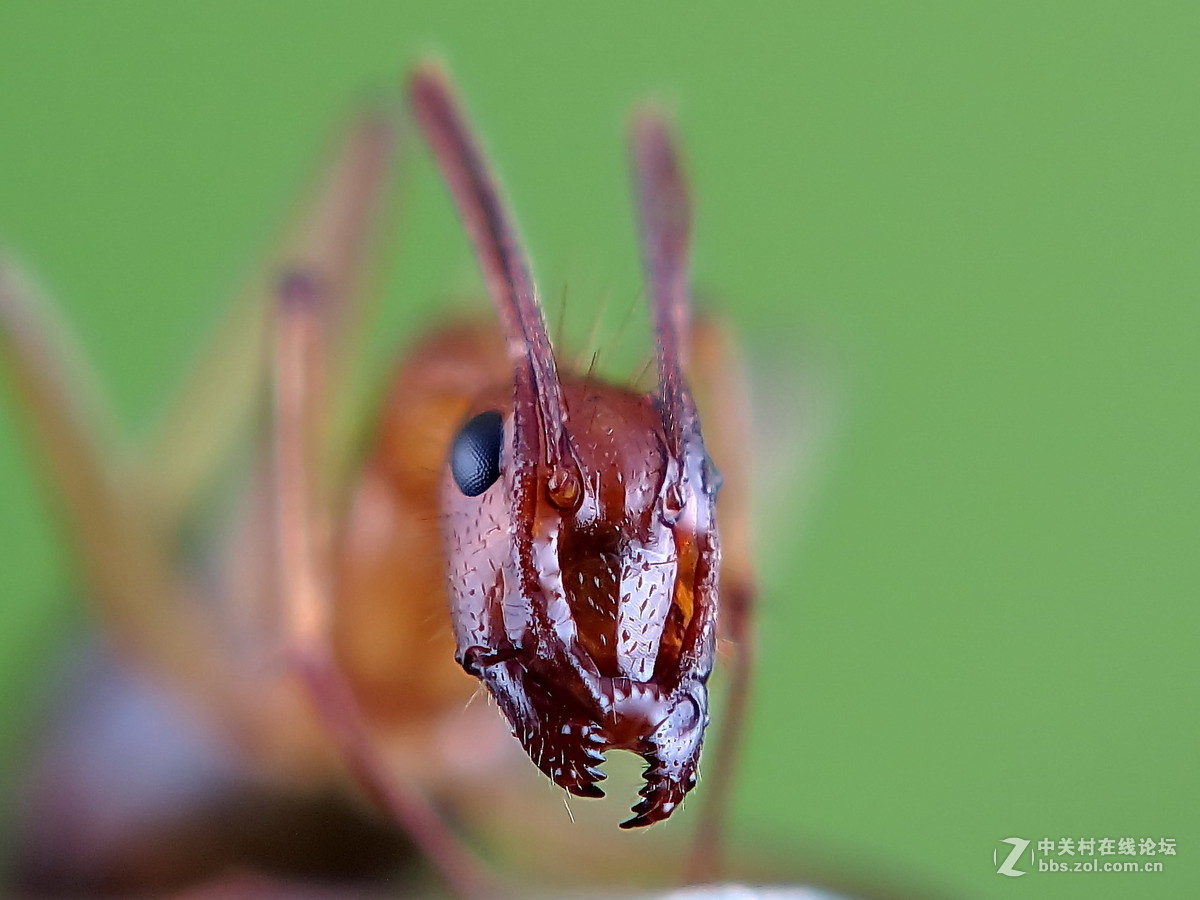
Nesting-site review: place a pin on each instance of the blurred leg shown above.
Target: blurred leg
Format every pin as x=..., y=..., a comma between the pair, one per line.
x=122, y=510
x=719, y=384
x=332, y=236
x=73, y=440
x=303, y=532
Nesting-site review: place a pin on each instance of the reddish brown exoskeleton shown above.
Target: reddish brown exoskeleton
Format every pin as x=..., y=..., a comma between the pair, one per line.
x=580, y=516
x=578, y=543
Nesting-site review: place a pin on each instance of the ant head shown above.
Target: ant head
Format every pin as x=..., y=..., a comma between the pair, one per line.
x=579, y=523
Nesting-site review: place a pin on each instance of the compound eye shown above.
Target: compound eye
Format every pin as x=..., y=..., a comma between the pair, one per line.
x=475, y=453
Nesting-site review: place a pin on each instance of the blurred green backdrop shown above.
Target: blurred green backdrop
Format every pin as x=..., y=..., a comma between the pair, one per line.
x=980, y=220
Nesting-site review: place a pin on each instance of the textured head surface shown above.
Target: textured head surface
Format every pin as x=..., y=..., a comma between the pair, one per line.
x=612, y=647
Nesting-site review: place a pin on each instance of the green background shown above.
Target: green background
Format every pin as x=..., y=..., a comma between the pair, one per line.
x=969, y=230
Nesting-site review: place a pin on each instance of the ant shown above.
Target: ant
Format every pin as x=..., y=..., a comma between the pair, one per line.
x=576, y=541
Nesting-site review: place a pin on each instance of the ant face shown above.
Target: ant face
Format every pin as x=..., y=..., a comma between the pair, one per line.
x=593, y=628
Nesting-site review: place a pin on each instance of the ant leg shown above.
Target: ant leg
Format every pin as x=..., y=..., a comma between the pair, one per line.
x=122, y=506
x=719, y=383
x=303, y=531
x=333, y=234
x=124, y=561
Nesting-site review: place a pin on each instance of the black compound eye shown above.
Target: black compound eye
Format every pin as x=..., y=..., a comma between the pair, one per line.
x=475, y=454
